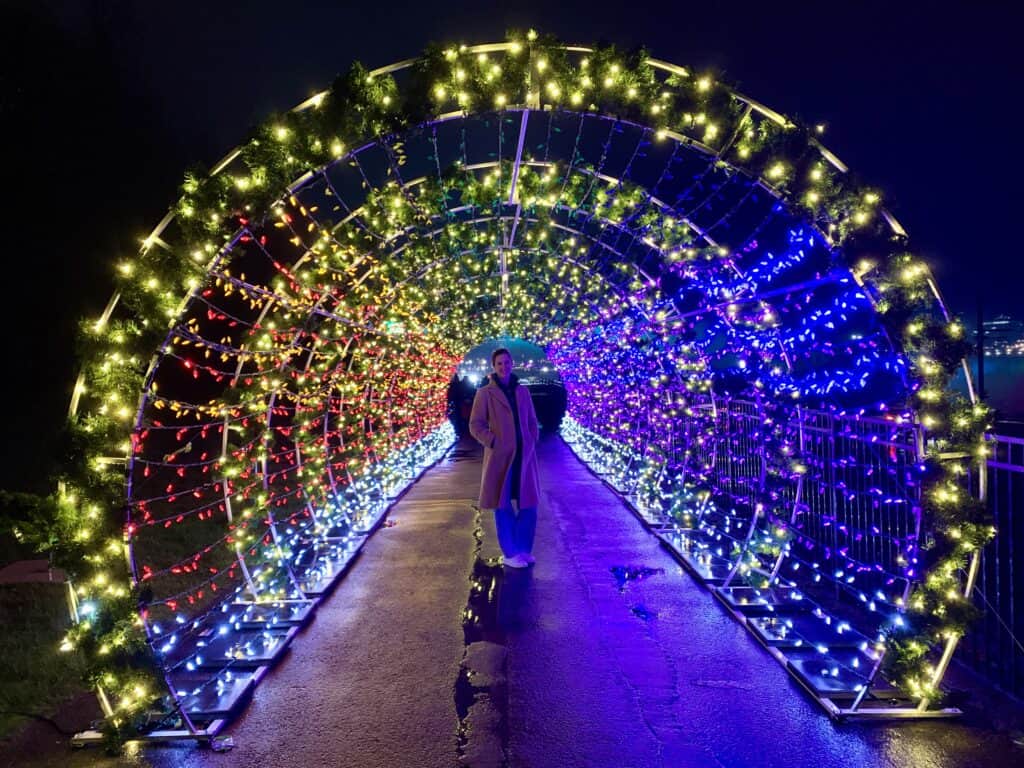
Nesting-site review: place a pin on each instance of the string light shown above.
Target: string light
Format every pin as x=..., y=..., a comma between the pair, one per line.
x=302, y=379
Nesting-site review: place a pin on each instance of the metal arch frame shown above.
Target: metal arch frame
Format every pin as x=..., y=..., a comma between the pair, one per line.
x=269, y=306
x=837, y=711
x=155, y=239
x=605, y=177
x=574, y=231
x=262, y=316
x=686, y=218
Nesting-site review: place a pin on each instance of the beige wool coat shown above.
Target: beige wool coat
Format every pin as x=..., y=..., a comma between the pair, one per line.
x=491, y=424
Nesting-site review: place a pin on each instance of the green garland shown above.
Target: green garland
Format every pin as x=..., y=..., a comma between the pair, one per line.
x=938, y=611
x=535, y=71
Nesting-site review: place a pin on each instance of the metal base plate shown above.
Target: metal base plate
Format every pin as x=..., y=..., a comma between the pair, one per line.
x=803, y=630
x=703, y=564
x=754, y=601
x=246, y=648
x=211, y=698
x=279, y=613
x=321, y=578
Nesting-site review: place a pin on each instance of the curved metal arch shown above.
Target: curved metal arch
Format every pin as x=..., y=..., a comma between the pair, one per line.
x=612, y=180
x=155, y=237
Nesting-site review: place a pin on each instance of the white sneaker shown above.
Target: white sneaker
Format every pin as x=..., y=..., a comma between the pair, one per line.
x=516, y=561
x=530, y=559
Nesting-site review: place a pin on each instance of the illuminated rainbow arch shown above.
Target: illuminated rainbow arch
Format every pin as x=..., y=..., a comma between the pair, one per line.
x=750, y=353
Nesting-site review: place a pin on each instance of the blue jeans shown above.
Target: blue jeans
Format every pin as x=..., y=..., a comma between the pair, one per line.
x=515, y=530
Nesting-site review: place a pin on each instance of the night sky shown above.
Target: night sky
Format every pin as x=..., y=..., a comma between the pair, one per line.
x=103, y=105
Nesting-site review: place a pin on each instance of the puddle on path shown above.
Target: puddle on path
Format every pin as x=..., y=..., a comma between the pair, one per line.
x=480, y=690
x=480, y=618
x=626, y=573
x=643, y=613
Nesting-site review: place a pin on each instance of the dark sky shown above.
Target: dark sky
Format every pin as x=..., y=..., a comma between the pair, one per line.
x=104, y=104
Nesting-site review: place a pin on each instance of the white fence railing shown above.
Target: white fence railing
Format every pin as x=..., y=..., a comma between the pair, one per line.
x=995, y=646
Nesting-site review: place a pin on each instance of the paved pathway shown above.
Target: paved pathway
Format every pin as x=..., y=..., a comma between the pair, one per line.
x=650, y=674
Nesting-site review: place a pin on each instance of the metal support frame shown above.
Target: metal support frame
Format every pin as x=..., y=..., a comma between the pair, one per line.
x=859, y=704
x=533, y=103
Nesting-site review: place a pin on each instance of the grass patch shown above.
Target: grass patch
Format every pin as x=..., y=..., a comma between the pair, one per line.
x=35, y=676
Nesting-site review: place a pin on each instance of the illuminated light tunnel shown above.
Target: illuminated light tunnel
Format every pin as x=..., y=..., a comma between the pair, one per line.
x=751, y=357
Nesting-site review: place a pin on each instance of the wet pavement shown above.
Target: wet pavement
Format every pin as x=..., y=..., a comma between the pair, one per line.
x=603, y=654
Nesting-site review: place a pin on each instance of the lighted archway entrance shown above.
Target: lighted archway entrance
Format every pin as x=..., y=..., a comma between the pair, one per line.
x=750, y=354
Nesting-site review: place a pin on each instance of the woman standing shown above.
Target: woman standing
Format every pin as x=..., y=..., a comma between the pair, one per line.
x=504, y=422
